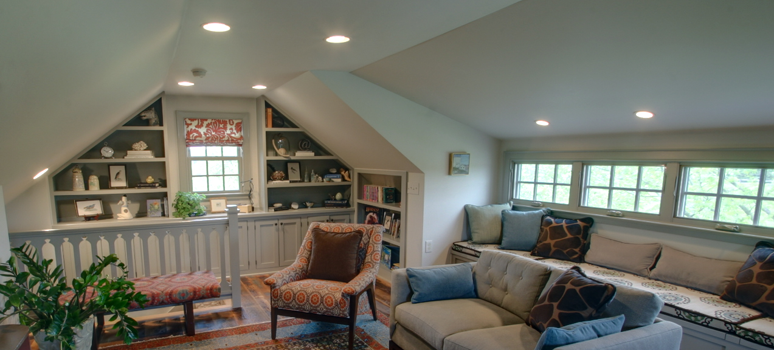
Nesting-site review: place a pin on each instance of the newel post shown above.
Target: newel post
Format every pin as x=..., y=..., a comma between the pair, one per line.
x=233, y=240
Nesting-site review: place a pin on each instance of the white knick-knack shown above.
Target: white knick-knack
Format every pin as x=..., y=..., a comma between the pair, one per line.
x=93, y=183
x=78, y=179
x=124, y=213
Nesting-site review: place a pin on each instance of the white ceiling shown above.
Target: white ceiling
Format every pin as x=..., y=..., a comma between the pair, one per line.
x=70, y=70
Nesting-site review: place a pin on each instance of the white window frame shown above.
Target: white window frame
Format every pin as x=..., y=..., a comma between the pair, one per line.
x=206, y=158
x=184, y=160
x=535, y=202
x=584, y=185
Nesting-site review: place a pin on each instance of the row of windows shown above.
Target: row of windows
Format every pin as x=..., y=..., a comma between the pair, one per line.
x=723, y=194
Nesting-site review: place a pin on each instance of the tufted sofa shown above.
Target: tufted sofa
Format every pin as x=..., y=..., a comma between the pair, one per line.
x=507, y=287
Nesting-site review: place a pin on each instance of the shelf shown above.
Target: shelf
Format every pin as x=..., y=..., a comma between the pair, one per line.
x=389, y=206
x=391, y=240
x=303, y=158
x=121, y=160
x=307, y=184
x=285, y=130
x=141, y=128
x=113, y=191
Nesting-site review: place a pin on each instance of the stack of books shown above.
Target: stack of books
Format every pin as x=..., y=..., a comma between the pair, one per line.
x=381, y=194
x=332, y=178
x=390, y=256
x=333, y=203
x=149, y=185
x=139, y=154
x=304, y=153
x=387, y=218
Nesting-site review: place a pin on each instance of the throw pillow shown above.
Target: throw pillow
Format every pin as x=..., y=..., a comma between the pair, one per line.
x=521, y=228
x=485, y=222
x=334, y=255
x=754, y=284
x=705, y=274
x=441, y=283
x=563, y=239
x=628, y=257
x=572, y=298
x=555, y=337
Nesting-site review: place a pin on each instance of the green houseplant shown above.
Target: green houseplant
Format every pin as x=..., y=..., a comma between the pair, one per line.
x=42, y=299
x=188, y=204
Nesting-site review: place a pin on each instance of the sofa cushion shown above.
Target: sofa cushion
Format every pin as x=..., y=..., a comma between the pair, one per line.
x=639, y=306
x=572, y=298
x=628, y=257
x=522, y=228
x=441, y=283
x=513, y=337
x=754, y=284
x=485, y=222
x=509, y=281
x=435, y=320
x=563, y=239
x=577, y=332
x=705, y=274
x=334, y=255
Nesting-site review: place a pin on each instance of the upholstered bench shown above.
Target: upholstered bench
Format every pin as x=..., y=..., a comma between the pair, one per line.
x=166, y=290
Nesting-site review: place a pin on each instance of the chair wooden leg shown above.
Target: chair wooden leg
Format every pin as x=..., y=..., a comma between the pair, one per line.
x=353, y=301
x=188, y=315
x=99, y=325
x=273, y=323
x=372, y=298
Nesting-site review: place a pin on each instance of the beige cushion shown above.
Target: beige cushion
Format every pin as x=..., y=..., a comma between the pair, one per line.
x=628, y=257
x=509, y=281
x=705, y=274
x=433, y=321
x=485, y=222
x=514, y=337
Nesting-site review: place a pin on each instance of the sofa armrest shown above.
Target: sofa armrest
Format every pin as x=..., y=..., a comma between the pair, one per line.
x=663, y=335
x=400, y=292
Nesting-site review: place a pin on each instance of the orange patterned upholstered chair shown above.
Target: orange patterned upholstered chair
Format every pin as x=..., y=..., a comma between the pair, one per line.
x=294, y=294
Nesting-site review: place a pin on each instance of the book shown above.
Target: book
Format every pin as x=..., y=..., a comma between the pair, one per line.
x=149, y=185
x=372, y=215
x=391, y=195
x=304, y=153
x=332, y=178
x=390, y=256
x=268, y=118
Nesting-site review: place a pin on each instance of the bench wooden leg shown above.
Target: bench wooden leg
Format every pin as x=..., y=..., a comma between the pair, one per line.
x=99, y=325
x=188, y=313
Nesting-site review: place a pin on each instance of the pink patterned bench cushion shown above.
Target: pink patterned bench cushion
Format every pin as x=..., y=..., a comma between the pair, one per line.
x=170, y=289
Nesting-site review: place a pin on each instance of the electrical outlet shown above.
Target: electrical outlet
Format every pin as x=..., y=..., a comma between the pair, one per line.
x=428, y=246
x=413, y=188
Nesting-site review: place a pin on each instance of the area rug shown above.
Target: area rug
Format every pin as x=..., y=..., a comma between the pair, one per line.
x=292, y=334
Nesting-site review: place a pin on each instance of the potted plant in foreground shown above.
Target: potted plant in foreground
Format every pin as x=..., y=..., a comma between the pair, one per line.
x=188, y=204
x=62, y=315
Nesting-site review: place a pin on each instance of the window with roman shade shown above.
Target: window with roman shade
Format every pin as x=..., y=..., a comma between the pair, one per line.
x=214, y=151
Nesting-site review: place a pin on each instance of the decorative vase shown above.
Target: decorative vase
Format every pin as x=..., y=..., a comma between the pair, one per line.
x=83, y=338
x=93, y=183
x=78, y=179
x=280, y=144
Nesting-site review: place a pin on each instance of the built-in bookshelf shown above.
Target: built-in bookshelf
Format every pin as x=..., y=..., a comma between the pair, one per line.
x=379, y=200
x=291, y=149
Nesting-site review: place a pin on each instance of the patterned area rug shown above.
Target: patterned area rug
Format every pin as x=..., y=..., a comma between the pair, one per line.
x=292, y=334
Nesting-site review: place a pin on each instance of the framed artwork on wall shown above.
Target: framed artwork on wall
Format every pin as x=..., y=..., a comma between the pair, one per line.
x=117, y=173
x=218, y=205
x=88, y=207
x=294, y=172
x=459, y=163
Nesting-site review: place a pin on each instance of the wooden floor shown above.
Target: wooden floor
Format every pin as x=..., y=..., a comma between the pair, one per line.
x=256, y=308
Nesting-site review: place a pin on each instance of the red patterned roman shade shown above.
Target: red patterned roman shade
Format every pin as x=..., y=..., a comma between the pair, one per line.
x=213, y=132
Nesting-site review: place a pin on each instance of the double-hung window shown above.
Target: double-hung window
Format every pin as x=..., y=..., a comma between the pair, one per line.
x=214, y=154
x=725, y=194
x=624, y=187
x=542, y=182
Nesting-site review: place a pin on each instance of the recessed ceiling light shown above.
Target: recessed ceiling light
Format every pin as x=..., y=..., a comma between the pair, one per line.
x=259, y=87
x=40, y=173
x=216, y=27
x=337, y=39
x=644, y=114
x=185, y=83
x=542, y=122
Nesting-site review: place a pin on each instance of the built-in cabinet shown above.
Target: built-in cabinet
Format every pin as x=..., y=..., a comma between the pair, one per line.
x=374, y=205
x=92, y=162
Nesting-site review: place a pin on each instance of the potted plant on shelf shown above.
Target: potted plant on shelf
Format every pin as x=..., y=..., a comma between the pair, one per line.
x=188, y=204
x=61, y=316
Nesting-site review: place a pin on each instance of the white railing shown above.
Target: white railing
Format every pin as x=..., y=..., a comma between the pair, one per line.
x=181, y=246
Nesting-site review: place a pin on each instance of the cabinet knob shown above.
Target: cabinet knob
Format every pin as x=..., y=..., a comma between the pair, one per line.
x=281, y=223
x=275, y=224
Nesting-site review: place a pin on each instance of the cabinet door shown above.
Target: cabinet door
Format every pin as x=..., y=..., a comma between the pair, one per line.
x=321, y=218
x=266, y=240
x=341, y=219
x=246, y=239
x=289, y=232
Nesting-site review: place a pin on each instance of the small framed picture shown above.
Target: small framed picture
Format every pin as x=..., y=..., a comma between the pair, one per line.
x=88, y=207
x=459, y=163
x=294, y=172
x=117, y=174
x=154, y=207
x=218, y=205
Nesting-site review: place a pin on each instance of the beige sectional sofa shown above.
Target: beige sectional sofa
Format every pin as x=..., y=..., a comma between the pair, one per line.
x=507, y=287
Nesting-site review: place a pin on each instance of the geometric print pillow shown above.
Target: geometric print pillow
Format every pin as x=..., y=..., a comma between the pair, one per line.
x=563, y=239
x=754, y=284
x=572, y=298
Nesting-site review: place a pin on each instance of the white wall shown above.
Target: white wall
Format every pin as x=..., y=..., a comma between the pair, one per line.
x=5, y=243
x=31, y=210
x=426, y=138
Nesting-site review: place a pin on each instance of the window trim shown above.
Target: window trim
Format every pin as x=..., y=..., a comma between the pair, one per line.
x=638, y=190
x=239, y=158
x=516, y=182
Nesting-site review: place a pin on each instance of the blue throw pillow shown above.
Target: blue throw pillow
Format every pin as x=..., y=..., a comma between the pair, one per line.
x=521, y=229
x=554, y=337
x=441, y=283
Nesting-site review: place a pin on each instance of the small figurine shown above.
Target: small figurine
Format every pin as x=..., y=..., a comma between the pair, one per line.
x=139, y=146
x=318, y=178
x=150, y=115
x=345, y=174
x=124, y=213
x=149, y=179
